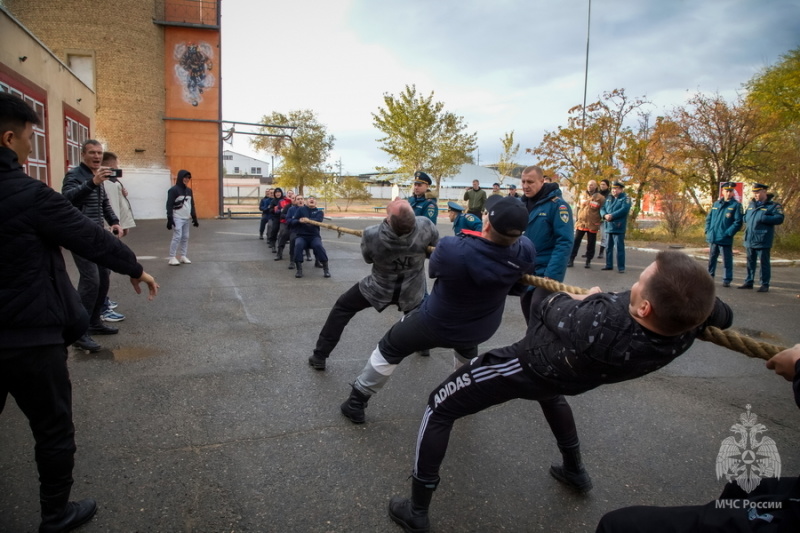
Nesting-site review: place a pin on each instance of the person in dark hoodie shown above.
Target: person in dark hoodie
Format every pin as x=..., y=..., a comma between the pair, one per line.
x=308, y=237
x=40, y=311
x=180, y=213
x=275, y=214
x=396, y=248
x=465, y=307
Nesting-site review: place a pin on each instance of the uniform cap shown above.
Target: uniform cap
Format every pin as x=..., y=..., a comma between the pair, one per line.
x=508, y=216
x=760, y=187
x=421, y=177
x=452, y=206
x=619, y=184
x=728, y=186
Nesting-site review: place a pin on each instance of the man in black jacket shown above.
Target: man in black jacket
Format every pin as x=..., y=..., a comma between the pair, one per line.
x=83, y=186
x=40, y=312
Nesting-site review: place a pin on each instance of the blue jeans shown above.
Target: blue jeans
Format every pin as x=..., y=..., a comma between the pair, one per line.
x=616, y=240
x=727, y=260
x=753, y=256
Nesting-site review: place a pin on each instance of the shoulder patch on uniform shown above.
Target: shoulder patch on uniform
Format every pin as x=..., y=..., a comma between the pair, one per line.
x=564, y=216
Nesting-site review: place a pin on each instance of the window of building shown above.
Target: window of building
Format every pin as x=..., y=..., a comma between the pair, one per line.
x=255, y=170
x=227, y=157
x=36, y=167
x=235, y=170
x=76, y=134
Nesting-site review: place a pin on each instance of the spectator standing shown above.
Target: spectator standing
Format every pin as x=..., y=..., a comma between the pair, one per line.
x=475, y=198
x=615, y=215
x=40, y=312
x=83, y=187
x=422, y=205
x=761, y=217
x=180, y=213
x=587, y=222
x=496, y=190
x=512, y=191
x=724, y=220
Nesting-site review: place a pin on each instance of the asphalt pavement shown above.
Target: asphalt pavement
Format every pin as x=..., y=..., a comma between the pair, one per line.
x=202, y=414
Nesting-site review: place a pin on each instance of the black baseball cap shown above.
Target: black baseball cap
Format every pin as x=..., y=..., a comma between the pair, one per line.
x=508, y=216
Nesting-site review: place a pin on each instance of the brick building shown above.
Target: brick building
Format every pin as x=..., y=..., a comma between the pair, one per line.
x=153, y=67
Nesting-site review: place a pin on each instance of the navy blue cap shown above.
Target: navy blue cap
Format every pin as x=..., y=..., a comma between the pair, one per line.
x=452, y=206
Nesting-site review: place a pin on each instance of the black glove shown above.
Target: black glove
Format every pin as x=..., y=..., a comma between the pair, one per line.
x=195, y=223
x=170, y=223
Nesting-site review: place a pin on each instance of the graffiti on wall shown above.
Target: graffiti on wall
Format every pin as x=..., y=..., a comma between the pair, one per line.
x=193, y=64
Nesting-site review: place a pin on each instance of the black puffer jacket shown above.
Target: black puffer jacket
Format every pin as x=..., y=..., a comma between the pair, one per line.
x=90, y=199
x=38, y=305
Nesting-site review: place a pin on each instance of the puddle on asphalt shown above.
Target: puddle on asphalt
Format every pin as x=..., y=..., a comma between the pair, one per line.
x=122, y=355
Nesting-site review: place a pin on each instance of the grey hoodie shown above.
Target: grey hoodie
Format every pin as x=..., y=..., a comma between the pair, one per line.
x=398, y=264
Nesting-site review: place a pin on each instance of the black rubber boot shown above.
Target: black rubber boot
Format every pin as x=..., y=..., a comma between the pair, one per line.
x=588, y=264
x=317, y=264
x=291, y=265
x=572, y=471
x=279, y=257
x=353, y=407
x=316, y=362
x=412, y=514
x=299, y=273
x=325, y=272
x=571, y=262
x=602, y=249
x=59, y=514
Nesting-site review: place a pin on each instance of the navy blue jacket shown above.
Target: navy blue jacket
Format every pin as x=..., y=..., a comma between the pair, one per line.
x=473, y=276
x=761, y=219
x=467, y=221
x=723, y=222
x=308, y=230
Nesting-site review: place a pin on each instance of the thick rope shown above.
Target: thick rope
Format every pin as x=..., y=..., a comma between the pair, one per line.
x=726, y=338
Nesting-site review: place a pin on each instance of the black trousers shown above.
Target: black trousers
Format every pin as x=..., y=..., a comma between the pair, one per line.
x=272, y=236
x=92, y=287
x=591, y=242
x=263, y=225
x=38, y=379
x=345, y=308
x=491, y=379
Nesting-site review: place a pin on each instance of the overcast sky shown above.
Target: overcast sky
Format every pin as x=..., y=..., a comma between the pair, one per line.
x=501, y=64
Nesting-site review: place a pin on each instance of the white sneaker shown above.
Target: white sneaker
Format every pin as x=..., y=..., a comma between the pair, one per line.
x=185, y=260
x=173, y=261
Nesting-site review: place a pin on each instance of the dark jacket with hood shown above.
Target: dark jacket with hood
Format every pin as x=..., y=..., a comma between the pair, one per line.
x=551, y=229
x=398, y=264
x=275, y=204
x=38, y=305
x=89, y=198
x=180, y=202
x=473, y=277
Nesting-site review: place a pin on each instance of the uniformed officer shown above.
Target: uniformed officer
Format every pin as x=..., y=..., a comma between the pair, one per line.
x=462, y=221
x=761, y=217
x=722, y=223
x=420, y=203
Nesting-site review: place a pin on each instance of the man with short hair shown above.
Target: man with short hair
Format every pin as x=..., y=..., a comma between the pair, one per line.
x=474, y=274
x=475, y=198
x=263, y=206
x=724, y=220
x=574, y=343
x=396, y=248
x=761, y=217
x=83, y=187
x=463, y=222
x=422, y=205
x=40, y=312
x=496, y=190
x=615, y=214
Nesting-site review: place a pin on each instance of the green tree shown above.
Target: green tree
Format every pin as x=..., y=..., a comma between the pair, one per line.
x=506, y=164
x=303, y=155
x=351, y=189
x=420, y=135
x=776, y=89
